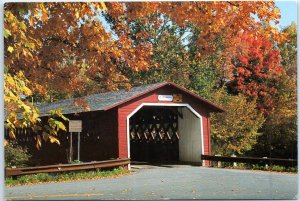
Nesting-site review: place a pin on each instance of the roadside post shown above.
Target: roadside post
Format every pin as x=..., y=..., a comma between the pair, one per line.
x=266, y=165
x=234, y=163
x=219, y=162
x=76, y=127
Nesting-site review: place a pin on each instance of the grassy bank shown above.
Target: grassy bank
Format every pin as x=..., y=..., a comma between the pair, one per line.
x=59, y=177
x=274, y=168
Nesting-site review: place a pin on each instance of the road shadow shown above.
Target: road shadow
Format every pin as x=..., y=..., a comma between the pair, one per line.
x=172, y=164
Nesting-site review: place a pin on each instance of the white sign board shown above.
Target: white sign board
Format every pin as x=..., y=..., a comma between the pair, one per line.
x=75, y=126
x=165, y=97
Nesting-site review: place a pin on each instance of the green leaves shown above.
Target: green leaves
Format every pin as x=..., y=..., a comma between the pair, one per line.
x=7, y=33
x=236, y=130
x=23, y=26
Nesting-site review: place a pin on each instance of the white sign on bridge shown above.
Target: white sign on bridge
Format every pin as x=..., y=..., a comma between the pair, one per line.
x=165, y=97
x=75, y=126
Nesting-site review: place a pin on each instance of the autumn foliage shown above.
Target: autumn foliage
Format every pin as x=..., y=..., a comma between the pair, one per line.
x=68, y=47
x=59, y=50
x=235, y=131
x=256, y=70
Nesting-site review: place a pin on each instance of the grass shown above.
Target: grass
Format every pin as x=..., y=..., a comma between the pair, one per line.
x=274, y=168
x=58, y=177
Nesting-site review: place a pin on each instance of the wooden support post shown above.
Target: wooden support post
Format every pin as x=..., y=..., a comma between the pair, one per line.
x=78, y=148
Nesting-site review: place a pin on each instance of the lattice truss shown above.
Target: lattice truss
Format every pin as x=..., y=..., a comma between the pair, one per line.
x=155, y=124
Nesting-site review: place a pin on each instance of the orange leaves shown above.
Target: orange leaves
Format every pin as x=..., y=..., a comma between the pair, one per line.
x=255, y=64
x=136, y=10
x=81, y=103
x=115, y=10
x=57, y=38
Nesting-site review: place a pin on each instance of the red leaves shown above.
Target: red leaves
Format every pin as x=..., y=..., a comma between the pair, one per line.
x=256, y=70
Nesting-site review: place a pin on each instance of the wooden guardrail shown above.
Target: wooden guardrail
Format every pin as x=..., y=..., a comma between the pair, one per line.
x=253, y=160
x=66, y=167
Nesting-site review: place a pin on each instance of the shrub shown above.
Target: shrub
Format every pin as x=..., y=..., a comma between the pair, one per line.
x=278, y=168
x=40, y=177
x=15, y=155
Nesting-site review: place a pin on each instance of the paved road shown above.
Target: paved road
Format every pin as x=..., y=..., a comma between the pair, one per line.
x=170, y=182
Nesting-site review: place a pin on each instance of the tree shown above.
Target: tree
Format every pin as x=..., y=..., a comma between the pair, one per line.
x=89, y=53
x=256, y=70
x=279, y=138
x=288, y=50
x=279, y=132
x=67, y=49
x=175, y=55
x=236, y=130
x=20, y=113
x=170, y=57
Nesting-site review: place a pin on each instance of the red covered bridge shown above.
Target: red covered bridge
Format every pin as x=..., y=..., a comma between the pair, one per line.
x=155, y=123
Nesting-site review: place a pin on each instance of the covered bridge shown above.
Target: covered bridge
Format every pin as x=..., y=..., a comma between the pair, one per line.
x=154, y=123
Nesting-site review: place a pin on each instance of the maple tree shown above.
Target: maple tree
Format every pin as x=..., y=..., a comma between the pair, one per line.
x=72, y=49
x=20, y=113
x=89, y=52
x=256, y=69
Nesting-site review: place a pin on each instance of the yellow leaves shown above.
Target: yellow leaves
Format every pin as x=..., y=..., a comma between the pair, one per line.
x=10, y=49
x=54, y=140
x=9, y=79
x=27, y=53
x=103, y=5
x=5, y=142
x=234, y=8
x=45, y=15
x=77, y=14
x=15, y=89
x=30, y=45
x=26, y=108
x=31, y=20
x=231, y=131
x=11, y=133
x=276, y=13
x=38, y=141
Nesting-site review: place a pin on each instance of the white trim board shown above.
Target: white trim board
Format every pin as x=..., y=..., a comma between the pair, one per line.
x=167, y=105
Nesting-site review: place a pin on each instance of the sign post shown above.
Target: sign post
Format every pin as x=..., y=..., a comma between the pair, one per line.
x=75, y=126
x=78, y=147
x=71, y=148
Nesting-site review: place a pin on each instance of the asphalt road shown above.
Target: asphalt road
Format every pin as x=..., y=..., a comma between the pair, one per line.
x=169, y=182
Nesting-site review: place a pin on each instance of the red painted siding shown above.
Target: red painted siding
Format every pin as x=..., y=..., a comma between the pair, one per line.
x=127, y=108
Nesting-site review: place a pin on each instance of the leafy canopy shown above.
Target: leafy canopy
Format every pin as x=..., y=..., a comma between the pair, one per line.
x=58, y=50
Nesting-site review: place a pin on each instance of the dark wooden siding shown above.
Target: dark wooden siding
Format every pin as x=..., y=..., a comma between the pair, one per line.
x=99, y=140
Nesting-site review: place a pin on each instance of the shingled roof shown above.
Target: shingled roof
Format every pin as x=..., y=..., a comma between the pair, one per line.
x=108, y=100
